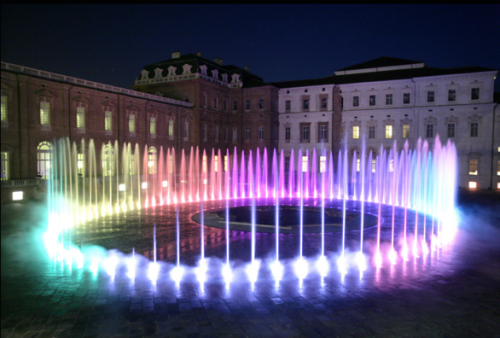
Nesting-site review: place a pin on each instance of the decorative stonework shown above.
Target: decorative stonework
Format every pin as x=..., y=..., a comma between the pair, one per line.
x=475, y=118
x=186, y=69
x=235, y=78
x=451, y=119
x=171, y=70
x=144, y=74
x=406, y=120
x=372, y=123
x=389, y=122
x=203, y=69
x=158, y=73
x=215, y=74
x=430, y=120
x=355, y=123
x=224, y=77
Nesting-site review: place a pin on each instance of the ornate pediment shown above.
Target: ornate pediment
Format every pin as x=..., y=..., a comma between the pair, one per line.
x=430, y=120
x=475, y=118
x=451, y=119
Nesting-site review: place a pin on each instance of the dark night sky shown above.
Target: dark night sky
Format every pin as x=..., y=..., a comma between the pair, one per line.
x=111, y=43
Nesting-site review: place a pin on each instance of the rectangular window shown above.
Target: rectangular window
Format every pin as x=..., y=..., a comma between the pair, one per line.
x=406, y=98
x=323, y=103
x=107, y=121
x=216, y=103
x=355, y=101
x=186, y=129
x=204, y=102
x=358, y=164
x=472, y=185
x=247, y=104
x=355, y=132
x=371, y=132
x=305, y=104
x=81, y=164
x=5, y=166
x=261, y=133
x=4, y=108
x=261, y=103
x=216, y=133
x=430, y=96
x=131, y=123
x=225, y=162
x=474, y=129
x=44, y=113
x=235, y=105
x=430, y=131
x=388, y=99
x=287, y=134
x=247, y=133
x=451, y=130
x=226, y=136
x=473, y=166
x=406, y=130
x=287, y=105
x=170, y=129
x=204, y=132
x=474, y=94
x=372, y=100
x=152, y=126
x=322, y=164
x=452, y=95
x=323, y=132
x=225, y=104
x=305, y=133
x=80, y=117
x=388, y=131
x=235, y=134
x=304, y=164
x=374, y=165
x=287, y=164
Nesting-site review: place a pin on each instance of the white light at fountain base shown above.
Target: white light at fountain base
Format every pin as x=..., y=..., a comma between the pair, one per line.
x=404, y=252
x=425, y=248
x=201, y=271
x=176, y=274
x=153, y=270
x=227, y=274
x=378, y=259
x=342, y=265
x=252, y=271
x=121, y=187
x=131, y=268
x=164, y=184
x=301, y=268
x=323, y=266
x=110, y=265
x=94, y=267
x=144, y=185
x=277, y=271
x=361, y=261
x=393, y=256
x=17, y=196
x=415, y=249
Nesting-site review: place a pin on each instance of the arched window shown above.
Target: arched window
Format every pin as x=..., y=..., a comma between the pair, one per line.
x=152, y=156
x=108, y=160
x=44, y=158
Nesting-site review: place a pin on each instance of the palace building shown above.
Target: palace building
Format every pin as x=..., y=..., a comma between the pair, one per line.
x=188, y=101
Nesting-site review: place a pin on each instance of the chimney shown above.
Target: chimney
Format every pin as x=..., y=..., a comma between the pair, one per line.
x=198, y=54
x=218, y=61
x=247, y=68
x=176, y=55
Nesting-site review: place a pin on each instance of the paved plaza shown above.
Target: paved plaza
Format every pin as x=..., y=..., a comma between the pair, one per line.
x=454, y=292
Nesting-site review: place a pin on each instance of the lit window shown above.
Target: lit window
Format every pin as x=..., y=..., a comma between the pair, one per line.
x=171, y=129
x=430, y=96
x=451, y=130
x=225, y=163
x=131, y=123
x=107, y=121
x=304, y=164
x=388, y=99
x=498, y=168
x=430, y=130
x=216, y=163
x=44, y=113
x=287, y=134
x=358, y=164
x=81, y=163
x=406, y=130
x=5, y=166
x=152, y=126
x=108, y=161
x=374, y=165
x=204, y=163
x=474, y=94
x=498, y=185
x=287, y=105
x=473, y=166
x=152, y=155
x=17, y=196
x=371, y=132
x=261, y=133
x=472, y=185
x=452, y=95
x=355, y=132
x=322, y=164
x=355, y=101
x=388, y=131
x=372, y=100
x=4, y=108
x=80, y=117
x=261, y=103
x=474, y=129
x=406, y=98
x=44, y=159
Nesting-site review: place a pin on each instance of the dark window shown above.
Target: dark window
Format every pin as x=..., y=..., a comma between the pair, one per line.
x=287, y=134
x=451, y=130
x=355, y=101
x=372, y=100
x=287, y=105
x=430, y=130
x=430, y=96
x=371, y=132
x=305, y=104
x=406, y=98
x=474, y=94
x=452, y=95
x=474, y=129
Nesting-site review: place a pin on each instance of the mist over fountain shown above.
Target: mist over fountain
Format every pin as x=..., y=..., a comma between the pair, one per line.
x=419, y=180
